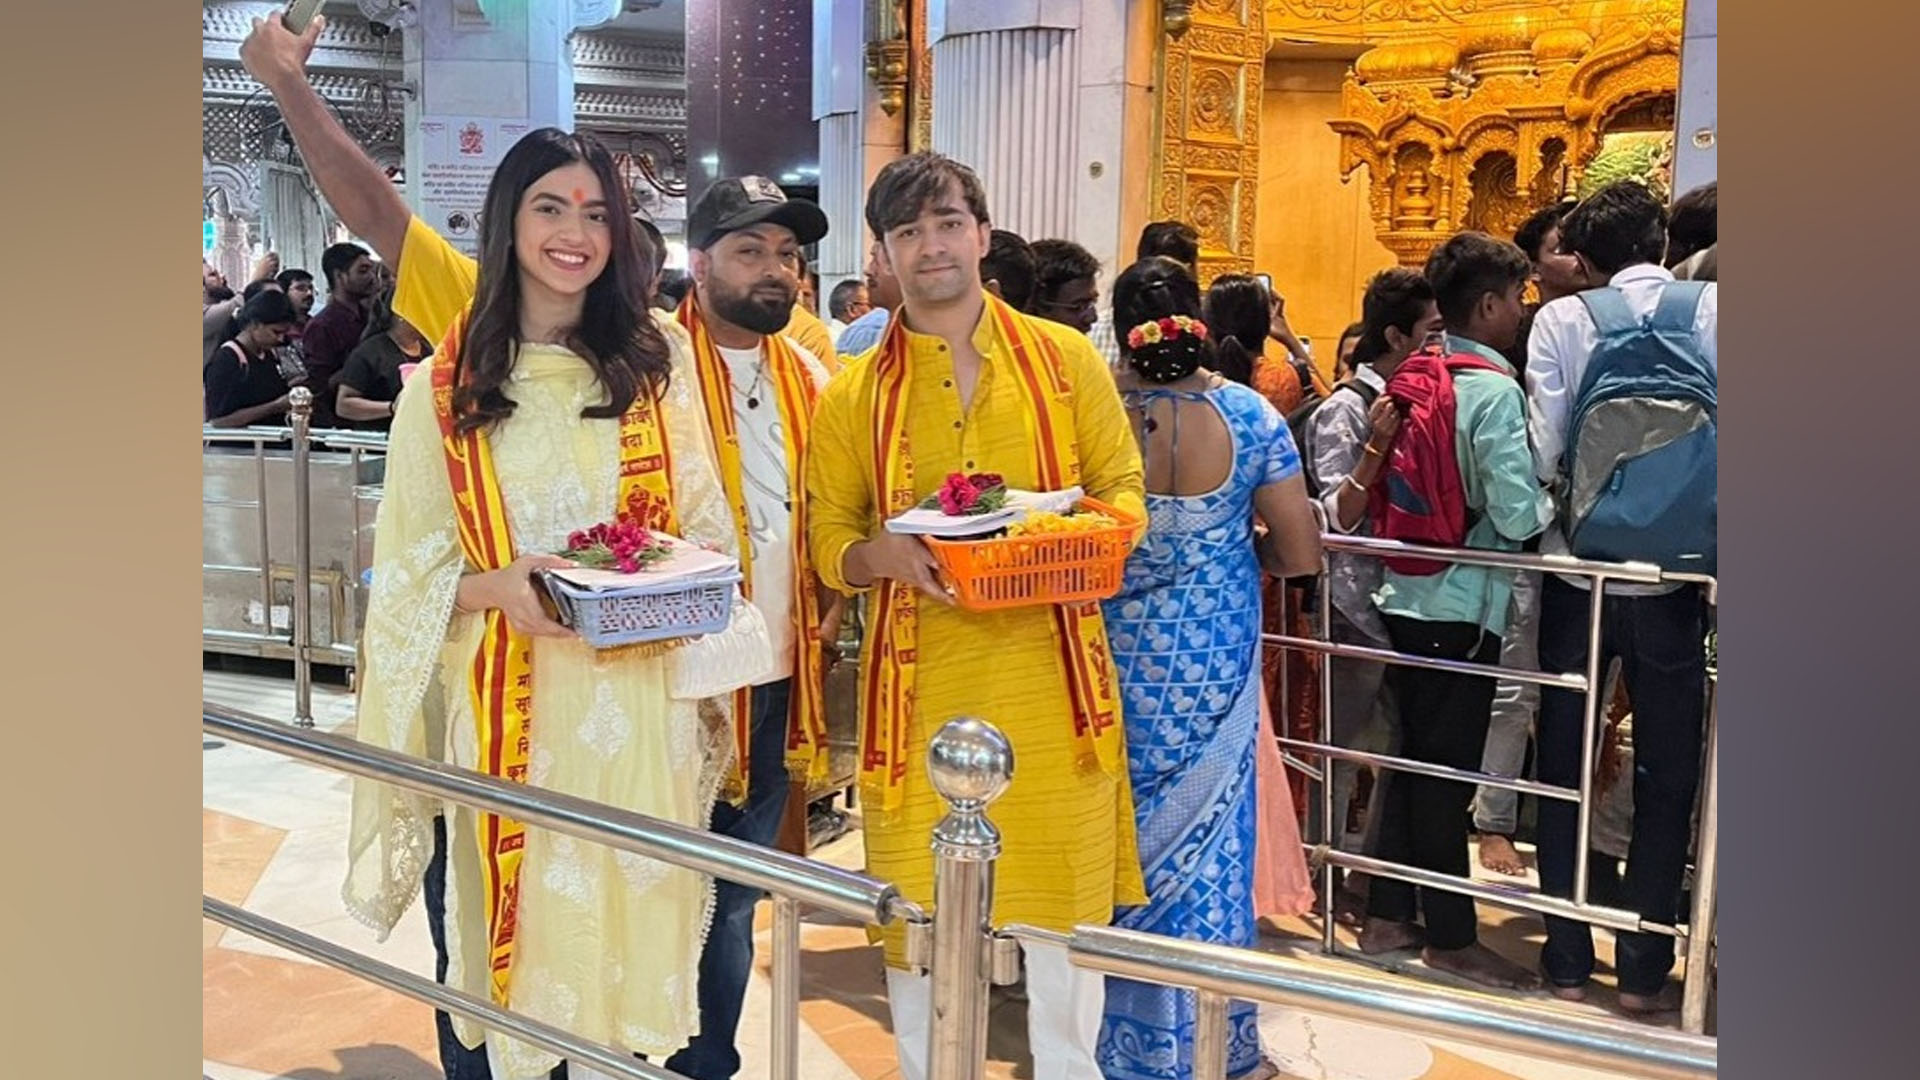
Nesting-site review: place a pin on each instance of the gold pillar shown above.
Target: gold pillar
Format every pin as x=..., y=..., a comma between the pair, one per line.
x=1207, y=128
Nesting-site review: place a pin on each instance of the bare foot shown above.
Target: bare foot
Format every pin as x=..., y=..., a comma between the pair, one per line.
x=1498, y=855
x=1349, y=908
x=1384, y=936
x=1666, y=1000
x=1568, y=993
x=1482, y=965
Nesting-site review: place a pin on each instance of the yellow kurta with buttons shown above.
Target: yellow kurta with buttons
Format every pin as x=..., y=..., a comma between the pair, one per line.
x=1069, y=849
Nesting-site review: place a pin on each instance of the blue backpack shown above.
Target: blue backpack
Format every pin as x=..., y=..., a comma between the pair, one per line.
x=1642, y=465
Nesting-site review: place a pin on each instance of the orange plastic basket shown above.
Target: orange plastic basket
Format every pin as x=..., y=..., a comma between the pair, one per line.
x=1030, y=571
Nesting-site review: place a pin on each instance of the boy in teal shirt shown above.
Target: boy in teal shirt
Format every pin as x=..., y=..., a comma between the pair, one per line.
x=1458, y=614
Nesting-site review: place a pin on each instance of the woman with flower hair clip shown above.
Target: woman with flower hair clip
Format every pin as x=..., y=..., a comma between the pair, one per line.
x=1185, y=630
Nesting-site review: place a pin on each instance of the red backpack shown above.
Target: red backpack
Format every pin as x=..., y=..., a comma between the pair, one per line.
x=1419, y=498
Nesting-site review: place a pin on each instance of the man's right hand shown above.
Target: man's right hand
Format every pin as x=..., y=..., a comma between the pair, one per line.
x=900, y=558
x=273, y=54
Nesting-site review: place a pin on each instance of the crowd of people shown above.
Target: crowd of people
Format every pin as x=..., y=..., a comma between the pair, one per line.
x=564, y=375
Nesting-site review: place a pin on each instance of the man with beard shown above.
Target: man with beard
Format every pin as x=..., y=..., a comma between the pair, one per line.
x=962, y=383
x=759, y=387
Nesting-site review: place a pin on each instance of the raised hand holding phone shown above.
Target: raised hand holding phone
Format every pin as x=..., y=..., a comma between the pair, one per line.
x=300, y=13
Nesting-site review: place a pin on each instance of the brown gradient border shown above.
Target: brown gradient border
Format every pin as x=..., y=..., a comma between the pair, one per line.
x=1821, y=739
x=101, y=475
x=1817, y=493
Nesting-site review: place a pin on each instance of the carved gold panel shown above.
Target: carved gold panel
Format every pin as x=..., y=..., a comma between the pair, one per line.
x=1207, y=129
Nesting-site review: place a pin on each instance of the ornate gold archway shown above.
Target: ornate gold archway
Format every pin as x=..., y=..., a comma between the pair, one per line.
x=1478, y=130
x=1467, y=113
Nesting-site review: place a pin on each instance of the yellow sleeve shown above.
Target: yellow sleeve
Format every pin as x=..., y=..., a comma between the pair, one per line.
x=840, y=511
x=1110, y=467
x=434, y=282
x=807, y=329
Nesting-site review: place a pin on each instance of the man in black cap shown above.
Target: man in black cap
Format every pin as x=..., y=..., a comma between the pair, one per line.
x=758, y=386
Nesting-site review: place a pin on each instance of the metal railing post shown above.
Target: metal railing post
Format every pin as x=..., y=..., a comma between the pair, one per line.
x=1209, y=1035
x=301, y=413
x=1330, y=834
x=1592, y=710
x=266, y=540
x=971, y=764
x=786, y=990
x=1697, y=989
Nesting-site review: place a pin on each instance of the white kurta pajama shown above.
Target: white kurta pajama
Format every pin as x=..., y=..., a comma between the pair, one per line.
x=607, y=943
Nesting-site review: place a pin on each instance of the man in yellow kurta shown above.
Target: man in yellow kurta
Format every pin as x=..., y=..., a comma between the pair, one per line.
x=806, y=328
x=962, y=383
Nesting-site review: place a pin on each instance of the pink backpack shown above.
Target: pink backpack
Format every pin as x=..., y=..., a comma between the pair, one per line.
x=1419, y=498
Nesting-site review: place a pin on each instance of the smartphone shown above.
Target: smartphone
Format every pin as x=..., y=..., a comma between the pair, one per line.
x=300, y=13
x=1266, y=281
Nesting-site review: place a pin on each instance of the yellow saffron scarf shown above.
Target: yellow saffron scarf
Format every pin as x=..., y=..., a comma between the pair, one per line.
x=795, y=393
x=501, y=681
x=1080, y=633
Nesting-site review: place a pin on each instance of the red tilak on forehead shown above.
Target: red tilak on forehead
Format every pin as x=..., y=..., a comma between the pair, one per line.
x=579, y=197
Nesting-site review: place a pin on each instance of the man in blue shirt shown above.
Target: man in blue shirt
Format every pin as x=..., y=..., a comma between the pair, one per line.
x=1458, y=614
x=863, y=333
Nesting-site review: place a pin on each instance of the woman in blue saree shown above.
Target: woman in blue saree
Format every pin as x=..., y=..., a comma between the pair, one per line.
x=1185, y=632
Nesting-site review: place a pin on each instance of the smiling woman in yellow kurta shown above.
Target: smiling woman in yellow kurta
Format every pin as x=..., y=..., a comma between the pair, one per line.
x=1070, y=854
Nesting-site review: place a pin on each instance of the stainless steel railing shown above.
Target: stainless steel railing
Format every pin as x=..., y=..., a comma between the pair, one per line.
x=973, y=777
x=298, y=642
x=792, y=880
x=1697, y=932
x=1218, y=973
x=970, y=763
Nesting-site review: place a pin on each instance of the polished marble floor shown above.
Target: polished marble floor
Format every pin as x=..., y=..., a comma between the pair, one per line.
x=274, y=841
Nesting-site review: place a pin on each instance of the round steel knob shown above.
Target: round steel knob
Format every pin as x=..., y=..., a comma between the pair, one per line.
x=300, y=400
x=970, y=762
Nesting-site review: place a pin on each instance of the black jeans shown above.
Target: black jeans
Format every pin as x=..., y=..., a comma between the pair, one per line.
x=726, y=962
x=1424, y=819
x=1661, y=643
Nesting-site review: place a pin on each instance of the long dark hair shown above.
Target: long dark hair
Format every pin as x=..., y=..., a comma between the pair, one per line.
x=1239, y=317
x=616, y=336
x=268, y=307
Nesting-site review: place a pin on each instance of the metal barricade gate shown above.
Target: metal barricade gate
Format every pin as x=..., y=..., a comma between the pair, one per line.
x=1696, y=935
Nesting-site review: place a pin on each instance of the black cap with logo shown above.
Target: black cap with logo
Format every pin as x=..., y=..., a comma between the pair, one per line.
x=737, y=202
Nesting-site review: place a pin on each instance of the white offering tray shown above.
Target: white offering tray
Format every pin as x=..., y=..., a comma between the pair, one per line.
x=689, y=562
x=936, y=523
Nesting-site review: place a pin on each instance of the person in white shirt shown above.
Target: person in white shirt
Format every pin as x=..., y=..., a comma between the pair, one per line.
x=1658, y=632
